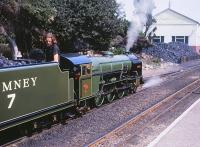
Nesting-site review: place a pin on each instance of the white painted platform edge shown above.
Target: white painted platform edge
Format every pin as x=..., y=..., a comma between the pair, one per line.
x=154, y=142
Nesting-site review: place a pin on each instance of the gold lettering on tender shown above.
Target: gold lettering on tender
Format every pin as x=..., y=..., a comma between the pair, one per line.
x=26, y=83
x=17, y=84
x=7, y=87
x=34, y=81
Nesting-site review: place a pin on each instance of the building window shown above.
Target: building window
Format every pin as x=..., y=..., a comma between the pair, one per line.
x=183, y=39
x=158, y=39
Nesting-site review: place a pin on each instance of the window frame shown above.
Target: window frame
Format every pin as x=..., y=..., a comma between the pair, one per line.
x=161, y=39
x=88, y=70
x=183, y=39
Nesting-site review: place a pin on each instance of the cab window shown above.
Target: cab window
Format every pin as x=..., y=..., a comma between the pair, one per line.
x=86, y=69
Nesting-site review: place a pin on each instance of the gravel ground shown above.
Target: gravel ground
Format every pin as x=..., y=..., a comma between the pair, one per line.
x=83, y=130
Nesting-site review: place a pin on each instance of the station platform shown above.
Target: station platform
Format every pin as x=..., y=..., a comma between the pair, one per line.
x=183, y=132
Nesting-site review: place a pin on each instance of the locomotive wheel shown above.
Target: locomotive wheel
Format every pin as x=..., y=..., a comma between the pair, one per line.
x=120, y=93
x=133, y=88
x=98, y=100
x=62, y=118
x=49, y=123
x=83, y=103
x=126, y=92
x=28, y=130
x=110, y=97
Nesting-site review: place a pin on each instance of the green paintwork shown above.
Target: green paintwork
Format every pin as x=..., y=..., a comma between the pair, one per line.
x=95, y=84
x=102, y=65
x=85, y=82
x=71, y=88
x=110, y=64
x=85, y=86
x=52, y=88
x=40, y=87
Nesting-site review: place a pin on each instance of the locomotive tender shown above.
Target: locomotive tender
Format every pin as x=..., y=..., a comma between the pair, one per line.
x=46, y=91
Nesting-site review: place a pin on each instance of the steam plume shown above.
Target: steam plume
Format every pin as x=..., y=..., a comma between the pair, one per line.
x=154, y=81
x=141, y=9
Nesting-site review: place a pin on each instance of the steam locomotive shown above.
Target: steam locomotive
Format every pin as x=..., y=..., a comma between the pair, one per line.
x=37, y=93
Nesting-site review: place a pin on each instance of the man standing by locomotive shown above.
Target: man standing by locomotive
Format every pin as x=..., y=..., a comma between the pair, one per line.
x=52, y=50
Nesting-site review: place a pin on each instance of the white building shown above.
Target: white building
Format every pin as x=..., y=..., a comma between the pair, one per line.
x=173, y=26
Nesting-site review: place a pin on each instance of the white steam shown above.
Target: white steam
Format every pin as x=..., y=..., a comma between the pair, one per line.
x=141, y=8
x=152, y=82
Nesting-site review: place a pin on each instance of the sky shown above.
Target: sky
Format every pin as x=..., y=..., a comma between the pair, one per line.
x=190, y=8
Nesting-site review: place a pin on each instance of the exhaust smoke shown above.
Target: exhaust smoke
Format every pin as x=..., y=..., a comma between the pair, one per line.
x=154, y=81
x=141, y=8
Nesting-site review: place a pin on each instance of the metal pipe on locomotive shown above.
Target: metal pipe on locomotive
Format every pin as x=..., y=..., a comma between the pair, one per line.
x=34, y=93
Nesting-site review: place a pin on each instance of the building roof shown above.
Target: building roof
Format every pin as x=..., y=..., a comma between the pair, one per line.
x=169, y=9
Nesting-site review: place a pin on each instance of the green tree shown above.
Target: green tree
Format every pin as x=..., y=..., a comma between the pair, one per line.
x=144, y=39
x=149, y=29
x=78, y=24
x=88, y=23
x=25, y=19
x=33, y=19
x=9, y=10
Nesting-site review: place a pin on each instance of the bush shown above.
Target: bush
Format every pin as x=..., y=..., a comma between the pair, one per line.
x=118, y=51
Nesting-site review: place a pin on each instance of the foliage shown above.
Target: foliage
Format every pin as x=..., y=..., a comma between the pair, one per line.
x=142, y=42
x=90, y=23
x=37, y=13
x=8, y=10
x=2, y=39
x=34, y=19
x=27, y=12
x=144, y=38
x=79, y=24
x=118, y=41
x=149, y=29
x=20, y=18
x=118, y=51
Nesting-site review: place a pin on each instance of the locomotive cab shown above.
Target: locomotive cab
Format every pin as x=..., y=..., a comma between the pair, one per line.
x=79, y=67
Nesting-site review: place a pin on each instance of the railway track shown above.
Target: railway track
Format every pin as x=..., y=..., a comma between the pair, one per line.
x=185, y=92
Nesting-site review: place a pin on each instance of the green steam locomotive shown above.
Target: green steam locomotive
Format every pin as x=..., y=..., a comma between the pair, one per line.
x=35, y=93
